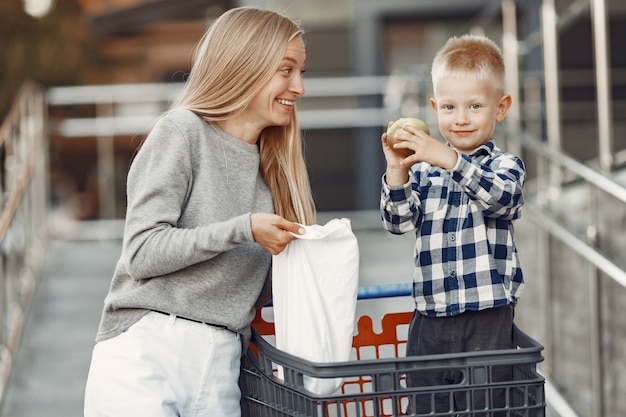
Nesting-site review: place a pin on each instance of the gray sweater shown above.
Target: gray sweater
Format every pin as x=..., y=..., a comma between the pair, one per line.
x=188, y=247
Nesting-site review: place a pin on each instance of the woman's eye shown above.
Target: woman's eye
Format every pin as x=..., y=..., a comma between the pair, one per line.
x=286, y=71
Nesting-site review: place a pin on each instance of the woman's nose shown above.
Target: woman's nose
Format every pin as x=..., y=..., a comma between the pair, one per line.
x=297, y=85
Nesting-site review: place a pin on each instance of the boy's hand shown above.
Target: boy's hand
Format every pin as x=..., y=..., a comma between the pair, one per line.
x=394, y=159
x=426, y=148
x=396, y=173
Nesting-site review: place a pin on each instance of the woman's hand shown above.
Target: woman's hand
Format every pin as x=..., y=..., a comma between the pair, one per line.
x=273, y=232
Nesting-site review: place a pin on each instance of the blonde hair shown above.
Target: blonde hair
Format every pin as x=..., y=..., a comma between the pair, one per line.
x=236, y=57
x=470, y=56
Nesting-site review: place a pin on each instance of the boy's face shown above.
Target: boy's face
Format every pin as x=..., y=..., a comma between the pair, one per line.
x=467, y=111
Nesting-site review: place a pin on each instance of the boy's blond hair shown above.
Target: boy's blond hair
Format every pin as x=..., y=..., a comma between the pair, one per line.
x=469, y=56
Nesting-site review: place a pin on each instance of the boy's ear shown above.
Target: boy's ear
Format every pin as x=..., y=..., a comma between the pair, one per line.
x=433, y=104
x=503, y=107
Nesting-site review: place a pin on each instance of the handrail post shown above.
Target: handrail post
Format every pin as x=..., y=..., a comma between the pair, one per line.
x=511, y=63
x=552, y=170
x=595, y=307
x=551, y=70
x=106, y=160
x=603, y=85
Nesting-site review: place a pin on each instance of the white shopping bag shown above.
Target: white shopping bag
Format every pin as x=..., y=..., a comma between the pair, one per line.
x=315, y=285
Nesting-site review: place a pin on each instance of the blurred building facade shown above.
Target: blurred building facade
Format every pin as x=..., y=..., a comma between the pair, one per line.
x=152, y=41
x=148, y=41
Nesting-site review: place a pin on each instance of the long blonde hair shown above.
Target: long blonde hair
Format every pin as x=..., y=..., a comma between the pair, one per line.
x=234, y=60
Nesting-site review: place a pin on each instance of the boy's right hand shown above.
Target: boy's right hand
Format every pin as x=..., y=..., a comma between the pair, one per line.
x=396, y=173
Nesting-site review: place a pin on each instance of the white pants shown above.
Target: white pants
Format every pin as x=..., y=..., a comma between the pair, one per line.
x=164, y=366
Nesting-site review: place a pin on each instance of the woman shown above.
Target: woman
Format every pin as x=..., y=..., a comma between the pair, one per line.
x=218, y=186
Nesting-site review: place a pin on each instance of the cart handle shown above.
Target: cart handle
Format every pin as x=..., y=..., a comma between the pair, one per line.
x=379, y=291
x=385, y=291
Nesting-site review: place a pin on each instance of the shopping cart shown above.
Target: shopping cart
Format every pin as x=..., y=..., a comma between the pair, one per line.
x=374, y=381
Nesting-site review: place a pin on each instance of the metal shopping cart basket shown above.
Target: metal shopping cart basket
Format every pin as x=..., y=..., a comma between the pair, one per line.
x=374, y=383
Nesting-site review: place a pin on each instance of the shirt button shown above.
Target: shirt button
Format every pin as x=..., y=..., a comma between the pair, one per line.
x=452, y=238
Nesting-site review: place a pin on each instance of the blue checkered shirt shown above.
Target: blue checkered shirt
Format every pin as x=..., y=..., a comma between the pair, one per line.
x=465, y=256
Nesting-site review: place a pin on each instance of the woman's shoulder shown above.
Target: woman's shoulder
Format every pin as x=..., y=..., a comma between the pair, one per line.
x=175, y=128
x=183, y=118
x=182, y=122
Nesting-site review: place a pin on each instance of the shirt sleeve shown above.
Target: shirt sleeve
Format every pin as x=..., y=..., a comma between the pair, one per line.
x=495, y=184
x=159, y=183
x=399, y=207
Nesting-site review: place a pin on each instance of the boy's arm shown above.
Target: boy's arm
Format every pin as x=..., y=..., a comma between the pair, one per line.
x=496, y=187
x=396, y=173
x=398, y=208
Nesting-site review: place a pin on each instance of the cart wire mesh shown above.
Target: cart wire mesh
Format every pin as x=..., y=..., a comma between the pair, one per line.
x=497, y=383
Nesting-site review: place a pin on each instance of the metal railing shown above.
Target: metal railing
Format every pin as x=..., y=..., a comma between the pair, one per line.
x=572, y=206
x=578, y=228
x=23, y=222
x=131, y=109
x=580, y=222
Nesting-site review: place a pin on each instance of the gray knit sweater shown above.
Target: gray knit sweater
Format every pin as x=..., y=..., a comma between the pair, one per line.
x=188, y=247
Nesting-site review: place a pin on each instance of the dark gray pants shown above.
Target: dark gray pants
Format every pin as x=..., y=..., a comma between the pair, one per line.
x=471, y=331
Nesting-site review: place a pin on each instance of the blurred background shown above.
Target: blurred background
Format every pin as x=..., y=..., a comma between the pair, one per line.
x=82, y=81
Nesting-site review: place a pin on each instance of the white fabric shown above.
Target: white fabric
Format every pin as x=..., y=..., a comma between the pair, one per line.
x=315, y=285
x=164, y=366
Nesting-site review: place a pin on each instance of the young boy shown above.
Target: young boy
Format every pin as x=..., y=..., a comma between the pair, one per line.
x=460, y=198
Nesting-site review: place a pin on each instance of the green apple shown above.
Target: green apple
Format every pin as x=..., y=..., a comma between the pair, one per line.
x=396, y=128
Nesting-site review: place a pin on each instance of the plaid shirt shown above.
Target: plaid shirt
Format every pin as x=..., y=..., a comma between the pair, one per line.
x=465, y=257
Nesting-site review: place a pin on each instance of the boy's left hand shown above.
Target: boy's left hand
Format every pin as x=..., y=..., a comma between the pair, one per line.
x=426, y=148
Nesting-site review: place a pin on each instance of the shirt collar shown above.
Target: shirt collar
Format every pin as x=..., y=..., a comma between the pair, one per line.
x=485, y=149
